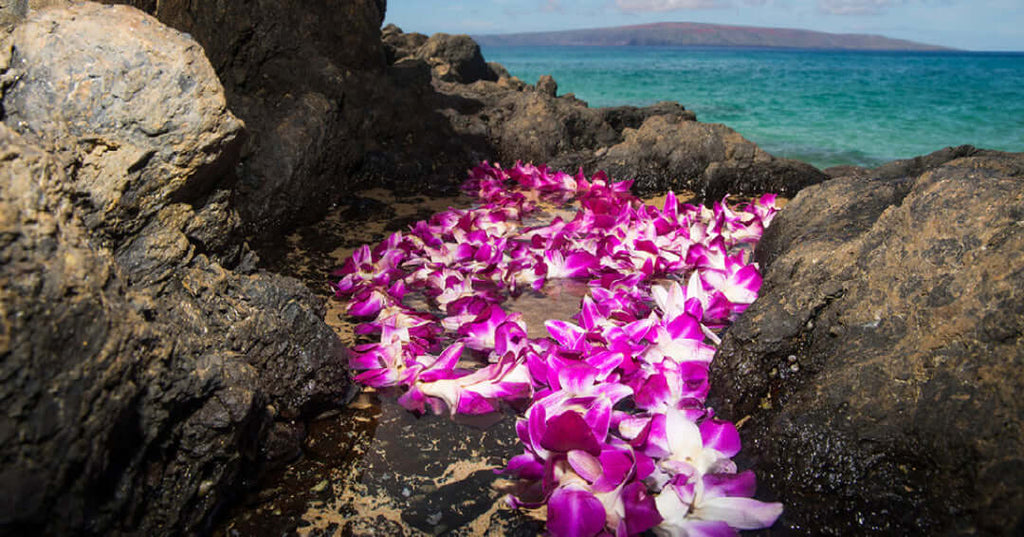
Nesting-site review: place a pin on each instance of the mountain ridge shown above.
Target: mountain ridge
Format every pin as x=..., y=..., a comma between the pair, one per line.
x=703, y=34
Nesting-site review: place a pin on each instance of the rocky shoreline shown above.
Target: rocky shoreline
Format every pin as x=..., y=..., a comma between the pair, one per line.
x=151, y=369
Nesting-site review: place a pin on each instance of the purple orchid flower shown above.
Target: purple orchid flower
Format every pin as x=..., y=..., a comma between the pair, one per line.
x=480, y=333
x=659, y=462
x=362, y=269
x=478, y=392
x=716, y=504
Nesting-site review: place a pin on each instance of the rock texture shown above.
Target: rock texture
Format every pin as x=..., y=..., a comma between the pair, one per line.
x=879, y=373
x=661, y=147
x=455, y=58
x=352, y=106
x=308, y=79
x=669, y=152
x=144, y=362
x=147, y=368
x=149, y=124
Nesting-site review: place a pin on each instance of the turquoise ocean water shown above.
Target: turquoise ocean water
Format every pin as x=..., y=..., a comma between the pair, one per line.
x=822, y=107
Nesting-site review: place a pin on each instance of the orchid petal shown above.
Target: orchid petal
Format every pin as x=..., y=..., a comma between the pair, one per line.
x=739, y=513
x=720, y=436
x=586, y=465
x=574, y=513
x=568, y=431
x=641, y=510
x=742, y=484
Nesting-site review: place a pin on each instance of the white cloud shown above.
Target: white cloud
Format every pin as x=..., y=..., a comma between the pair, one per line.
x=857, y=7
x=667, y=5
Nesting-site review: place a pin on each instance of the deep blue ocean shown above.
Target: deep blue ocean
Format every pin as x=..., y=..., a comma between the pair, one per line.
x=822, y=107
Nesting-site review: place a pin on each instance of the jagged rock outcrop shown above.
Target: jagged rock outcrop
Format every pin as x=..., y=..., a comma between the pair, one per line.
x=144, y=362
x=308, y=79
x=349, y=106
x=670, y=152
x=878, y=374
x=148, y=124
x=661, y=147
x=455, y=58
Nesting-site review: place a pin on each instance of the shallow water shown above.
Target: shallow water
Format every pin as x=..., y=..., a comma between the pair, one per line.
x=374, y=468
x=377, y=469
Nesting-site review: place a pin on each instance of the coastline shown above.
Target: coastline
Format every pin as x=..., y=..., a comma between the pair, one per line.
x=156, y=369
x=823, y=107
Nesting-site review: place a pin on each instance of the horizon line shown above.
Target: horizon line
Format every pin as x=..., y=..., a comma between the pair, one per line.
x=738, y=27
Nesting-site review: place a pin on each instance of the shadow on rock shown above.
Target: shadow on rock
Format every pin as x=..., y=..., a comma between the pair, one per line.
x=878, y=374
x=146, y=362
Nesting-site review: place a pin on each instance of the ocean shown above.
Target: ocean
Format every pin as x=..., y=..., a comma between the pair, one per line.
x=823, y=107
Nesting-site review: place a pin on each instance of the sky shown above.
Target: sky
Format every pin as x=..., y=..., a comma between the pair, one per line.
x=964, y=24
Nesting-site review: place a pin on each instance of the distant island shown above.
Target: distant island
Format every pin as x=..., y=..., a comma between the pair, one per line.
x=692, y=34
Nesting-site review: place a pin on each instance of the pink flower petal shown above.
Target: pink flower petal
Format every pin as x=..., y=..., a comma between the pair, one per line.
x=742, y=484
x=568, y=431
x=574, y=513
x=641, y=511
x=720, y=436
x=739, y=513
x=585, y=465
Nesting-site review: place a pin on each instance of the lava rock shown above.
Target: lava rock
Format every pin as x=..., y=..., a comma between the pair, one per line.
x=546, y=84
x=878, y=374
x=400, y=45
x=660, y=147
x=144, y=359
x=306, y=77
x=350, y=106
x=140, y=108
x=455, y=58
x=674, y=152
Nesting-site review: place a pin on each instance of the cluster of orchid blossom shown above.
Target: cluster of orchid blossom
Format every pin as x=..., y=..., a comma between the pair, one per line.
x=617, y=437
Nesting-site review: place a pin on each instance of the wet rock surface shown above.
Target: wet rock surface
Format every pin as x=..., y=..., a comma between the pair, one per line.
x=375, y=468
x=878, y=374
x=146, y=363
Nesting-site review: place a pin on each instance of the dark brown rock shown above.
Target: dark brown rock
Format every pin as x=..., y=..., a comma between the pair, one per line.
x=498, y=70
x=307, y=78
x=670, y=151
x=148, y=124
x=350, y=106
x=399, y=45
x=455, y=58
x=661, y=147
x=140, y=377
x=547, y=85
x=878, y=374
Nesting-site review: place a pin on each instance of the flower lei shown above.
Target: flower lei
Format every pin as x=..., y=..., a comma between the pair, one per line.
x=616, y=435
